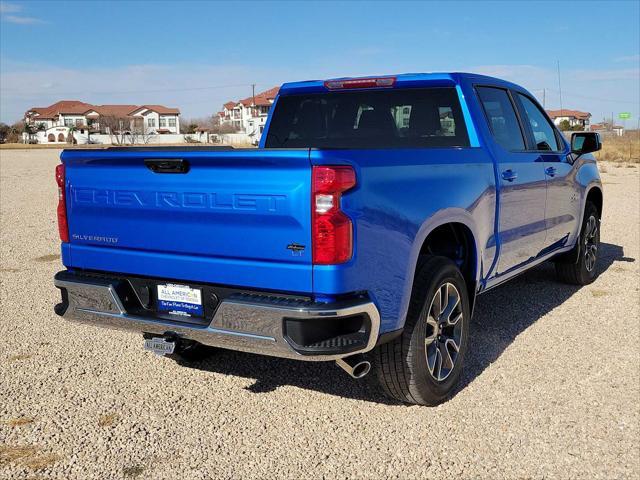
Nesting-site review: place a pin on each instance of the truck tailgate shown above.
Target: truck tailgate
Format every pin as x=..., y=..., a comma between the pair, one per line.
x=235, y=217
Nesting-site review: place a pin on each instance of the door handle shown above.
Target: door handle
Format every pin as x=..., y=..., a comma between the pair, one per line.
x=551, y=171
x=509, y=175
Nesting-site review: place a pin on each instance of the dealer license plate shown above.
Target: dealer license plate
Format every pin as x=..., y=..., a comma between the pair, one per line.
x=180, y=300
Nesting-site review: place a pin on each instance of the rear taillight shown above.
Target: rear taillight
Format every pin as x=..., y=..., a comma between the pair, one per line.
x=332, y=229
x=63, y=226
x=372, y=82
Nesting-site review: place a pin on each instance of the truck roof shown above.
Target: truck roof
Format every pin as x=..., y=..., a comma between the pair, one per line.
x=402, y=80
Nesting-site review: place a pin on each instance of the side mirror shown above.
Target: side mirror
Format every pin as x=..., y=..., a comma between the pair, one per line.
x=585, y=142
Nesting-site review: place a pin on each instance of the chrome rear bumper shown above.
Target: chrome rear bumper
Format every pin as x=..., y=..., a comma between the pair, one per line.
x=250, y=323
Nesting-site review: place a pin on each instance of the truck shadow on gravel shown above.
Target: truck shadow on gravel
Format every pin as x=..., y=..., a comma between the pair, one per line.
x=498, y=320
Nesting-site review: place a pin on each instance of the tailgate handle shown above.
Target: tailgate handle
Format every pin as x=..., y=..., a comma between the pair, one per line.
x=174, y=165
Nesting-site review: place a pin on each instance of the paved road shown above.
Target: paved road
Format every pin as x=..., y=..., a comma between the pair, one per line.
x=552, y=388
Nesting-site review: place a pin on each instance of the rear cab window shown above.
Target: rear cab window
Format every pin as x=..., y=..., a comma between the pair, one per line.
x=502, y=118
x=382, y=118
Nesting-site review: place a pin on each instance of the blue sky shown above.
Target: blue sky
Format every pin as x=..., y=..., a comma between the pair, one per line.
x=197, y=55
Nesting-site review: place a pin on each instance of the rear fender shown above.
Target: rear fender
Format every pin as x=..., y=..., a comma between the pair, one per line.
x=442, y=217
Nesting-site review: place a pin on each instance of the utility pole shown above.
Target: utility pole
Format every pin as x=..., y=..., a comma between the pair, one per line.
x=560, y=89
x=253, y=96
x=544, y=98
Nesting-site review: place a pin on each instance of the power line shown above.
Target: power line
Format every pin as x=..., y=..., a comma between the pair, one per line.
x=559, y=87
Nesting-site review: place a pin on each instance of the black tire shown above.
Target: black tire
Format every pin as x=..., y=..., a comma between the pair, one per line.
x=581, y=266
x=406, y=366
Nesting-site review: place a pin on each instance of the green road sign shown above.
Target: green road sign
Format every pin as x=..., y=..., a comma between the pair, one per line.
x=624, y=115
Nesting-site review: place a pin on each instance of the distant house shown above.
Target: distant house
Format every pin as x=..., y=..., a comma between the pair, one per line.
x=249, y=115
x=53, y=123
x=575, y=118
x=607, y=129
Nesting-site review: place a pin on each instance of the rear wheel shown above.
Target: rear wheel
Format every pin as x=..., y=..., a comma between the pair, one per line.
x=424, y=364
x=583, y=271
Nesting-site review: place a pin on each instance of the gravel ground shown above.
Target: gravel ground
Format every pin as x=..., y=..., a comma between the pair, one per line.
x=551, y=389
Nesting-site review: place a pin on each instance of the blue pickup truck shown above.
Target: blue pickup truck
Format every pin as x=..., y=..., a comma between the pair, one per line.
x=361, y=231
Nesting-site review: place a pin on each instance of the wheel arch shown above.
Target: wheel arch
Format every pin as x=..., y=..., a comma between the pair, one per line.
x=594, y=195
x=452, y=224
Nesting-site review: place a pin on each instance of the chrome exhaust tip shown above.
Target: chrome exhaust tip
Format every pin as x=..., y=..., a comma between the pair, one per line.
x=356, y=366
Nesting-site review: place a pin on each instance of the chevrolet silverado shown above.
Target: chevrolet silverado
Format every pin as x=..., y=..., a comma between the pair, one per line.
x=361, y=231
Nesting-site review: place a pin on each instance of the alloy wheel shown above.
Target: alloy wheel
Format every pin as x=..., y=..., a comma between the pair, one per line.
x=444, y=331
x=590, y=243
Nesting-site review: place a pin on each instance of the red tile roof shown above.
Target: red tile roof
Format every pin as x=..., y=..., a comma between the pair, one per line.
x=271, y=93
x=63, y=106
x=115, y=110
x=79, y=108
x=568, y=113
x=261, y=99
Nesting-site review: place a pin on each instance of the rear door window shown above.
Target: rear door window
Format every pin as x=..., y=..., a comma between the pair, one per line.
x=402, y=118
x=501, y=117
x=544, y=137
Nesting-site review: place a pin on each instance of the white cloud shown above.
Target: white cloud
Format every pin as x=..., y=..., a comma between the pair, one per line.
x=10, y=12
x=627, y=58
x=9, y=7
x=600, y=75
x=20, y=20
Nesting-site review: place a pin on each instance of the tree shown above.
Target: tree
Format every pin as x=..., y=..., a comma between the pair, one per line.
x=191, y=125
x=70, y=136
x=15, y=132
x=188, y=127
x=224, y=129
x=89, y=127
x=565, y=125
x=4, y=132
x=116, y=127
x=122, y=130
x=30, y=130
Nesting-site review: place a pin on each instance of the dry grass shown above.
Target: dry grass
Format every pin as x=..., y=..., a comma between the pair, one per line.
x=107, y=420
x=20, y=356
x=29, y=456
x=39, y=462
x=133, y=471
x=47, y=258
x=621, y=149
x=18, y=422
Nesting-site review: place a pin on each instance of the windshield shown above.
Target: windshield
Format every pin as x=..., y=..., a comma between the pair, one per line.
x=409, y=118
